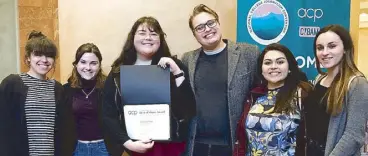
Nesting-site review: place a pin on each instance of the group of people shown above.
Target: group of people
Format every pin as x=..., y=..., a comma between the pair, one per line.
x=227, y=99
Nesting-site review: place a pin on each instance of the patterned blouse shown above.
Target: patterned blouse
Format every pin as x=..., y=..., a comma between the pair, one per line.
x=271, y=133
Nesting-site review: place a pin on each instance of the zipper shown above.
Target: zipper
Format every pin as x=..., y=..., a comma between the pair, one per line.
x=209, y=150
x=177, y=126
x=117, y=91
x=237, y=147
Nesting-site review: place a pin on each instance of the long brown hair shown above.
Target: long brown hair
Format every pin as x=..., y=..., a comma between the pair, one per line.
x=75, y=78
x=339, y=86
x=296, y=78
x=128, y=55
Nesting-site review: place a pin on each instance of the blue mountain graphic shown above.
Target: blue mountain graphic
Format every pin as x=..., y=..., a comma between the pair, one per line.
x=268, y=27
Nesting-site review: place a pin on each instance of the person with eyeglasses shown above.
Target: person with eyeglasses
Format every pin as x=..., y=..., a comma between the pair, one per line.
x=146, y=45
x=221, y=74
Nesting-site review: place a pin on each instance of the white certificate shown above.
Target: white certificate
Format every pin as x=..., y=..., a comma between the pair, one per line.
x=150, y=121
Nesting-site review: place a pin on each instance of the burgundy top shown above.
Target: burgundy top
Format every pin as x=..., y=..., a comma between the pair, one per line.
x=86, y=112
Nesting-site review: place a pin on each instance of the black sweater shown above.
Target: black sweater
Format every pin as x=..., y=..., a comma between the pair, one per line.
x=13, y=127
x=182, y=106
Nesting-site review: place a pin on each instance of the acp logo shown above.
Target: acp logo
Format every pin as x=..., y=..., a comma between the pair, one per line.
x=132, y=112
x=310, y=13
x=267, y=21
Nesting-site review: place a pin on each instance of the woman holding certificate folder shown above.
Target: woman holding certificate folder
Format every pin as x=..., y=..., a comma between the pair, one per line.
x=146, y=45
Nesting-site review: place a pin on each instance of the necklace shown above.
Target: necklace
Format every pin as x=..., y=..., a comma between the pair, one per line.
x=89, y=92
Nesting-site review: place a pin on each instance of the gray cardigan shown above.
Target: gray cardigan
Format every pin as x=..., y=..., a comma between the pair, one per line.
x=346, y=131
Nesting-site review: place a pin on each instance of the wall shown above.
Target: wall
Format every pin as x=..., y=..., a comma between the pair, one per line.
x=107, y=24
x=8, y=38
x=362, y=55
x=359, y=36
x=362, y=51
x=354, y=25
x=40, y=15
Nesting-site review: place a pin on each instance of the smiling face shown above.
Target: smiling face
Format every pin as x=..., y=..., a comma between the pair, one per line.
x=40, y=65
x=207, y=30
x=146, y=41
x=88, y=66
x=275, y=68
x=329, y=50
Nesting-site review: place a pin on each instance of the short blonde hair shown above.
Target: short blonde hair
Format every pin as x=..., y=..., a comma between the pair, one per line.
x=199, y=9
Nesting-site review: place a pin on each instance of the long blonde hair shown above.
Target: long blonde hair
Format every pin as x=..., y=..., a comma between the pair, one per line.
x=339, y=86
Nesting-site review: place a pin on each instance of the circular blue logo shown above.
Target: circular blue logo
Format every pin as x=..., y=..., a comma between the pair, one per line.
x=267, y=21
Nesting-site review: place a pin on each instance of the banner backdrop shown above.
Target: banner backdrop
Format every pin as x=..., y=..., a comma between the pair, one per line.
x=291, y=23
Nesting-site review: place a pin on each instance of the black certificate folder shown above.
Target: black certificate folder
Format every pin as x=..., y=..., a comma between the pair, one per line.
x=144, y=84
x=145, y=93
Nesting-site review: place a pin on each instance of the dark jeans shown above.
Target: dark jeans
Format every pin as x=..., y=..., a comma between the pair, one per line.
x=201, y=149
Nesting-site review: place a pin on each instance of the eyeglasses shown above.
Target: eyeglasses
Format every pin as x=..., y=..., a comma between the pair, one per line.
x=202, y=27
x=152, y=35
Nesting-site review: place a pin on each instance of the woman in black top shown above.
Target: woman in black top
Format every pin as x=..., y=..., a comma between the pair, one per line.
x=337, y=111
x=83, y=97
x=317, y=121
x=146, y=45
x=30, y=104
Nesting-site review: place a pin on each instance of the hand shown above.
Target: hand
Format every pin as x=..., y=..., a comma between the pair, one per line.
x=140, y=146
x=174, y=68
